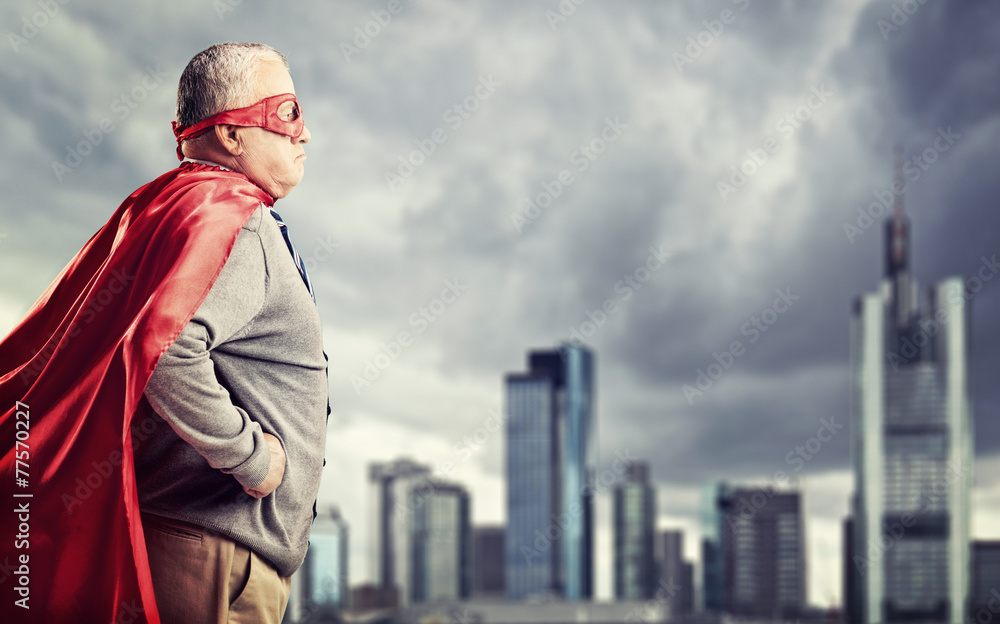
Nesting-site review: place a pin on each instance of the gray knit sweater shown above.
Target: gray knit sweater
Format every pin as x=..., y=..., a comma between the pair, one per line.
x=250, y=361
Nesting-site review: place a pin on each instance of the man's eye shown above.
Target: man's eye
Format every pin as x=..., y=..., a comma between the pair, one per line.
x=289, y=111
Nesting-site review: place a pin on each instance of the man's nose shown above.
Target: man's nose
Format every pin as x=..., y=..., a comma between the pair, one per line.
x=305, y=136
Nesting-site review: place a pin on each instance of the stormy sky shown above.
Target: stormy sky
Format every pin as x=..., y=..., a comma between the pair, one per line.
x=491, y=177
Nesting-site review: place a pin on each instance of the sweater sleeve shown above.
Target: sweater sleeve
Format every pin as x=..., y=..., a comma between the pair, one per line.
x=184, y=388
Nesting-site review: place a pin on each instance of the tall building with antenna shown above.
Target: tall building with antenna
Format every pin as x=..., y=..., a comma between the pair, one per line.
x=911, y=442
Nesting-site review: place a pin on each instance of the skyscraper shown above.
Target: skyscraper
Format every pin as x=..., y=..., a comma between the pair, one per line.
x=912, y=441
x=441, y=564
x=392, y=483
x=756, y=565
x=550, y=465
x=324, y=572
x=634, y=511
x=712, y=553
x=674, y=571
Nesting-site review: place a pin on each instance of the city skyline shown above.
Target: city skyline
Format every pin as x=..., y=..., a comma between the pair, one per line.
x=661, y=180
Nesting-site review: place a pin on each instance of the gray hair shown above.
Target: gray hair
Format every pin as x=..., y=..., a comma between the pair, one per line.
x=223, y=77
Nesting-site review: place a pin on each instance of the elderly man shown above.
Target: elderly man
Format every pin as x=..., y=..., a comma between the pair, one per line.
x=179, y=359
x=244, y=386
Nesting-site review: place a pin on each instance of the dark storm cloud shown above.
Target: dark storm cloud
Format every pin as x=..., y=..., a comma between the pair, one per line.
x=941, y=57
x=942, y=68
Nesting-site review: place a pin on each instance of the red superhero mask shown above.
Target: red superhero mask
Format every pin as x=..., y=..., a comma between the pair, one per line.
x=278, y=113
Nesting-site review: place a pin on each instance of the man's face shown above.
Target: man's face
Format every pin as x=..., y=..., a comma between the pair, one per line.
x=273, y=161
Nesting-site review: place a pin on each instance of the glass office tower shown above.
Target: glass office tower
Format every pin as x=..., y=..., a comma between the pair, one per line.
x=441, y=540
x=911, y=443
x=634, y=510
x=550, y=463
x=392, y=483
x=755, y=554
x=712, y=550
x=324, y=572
x=532, y=561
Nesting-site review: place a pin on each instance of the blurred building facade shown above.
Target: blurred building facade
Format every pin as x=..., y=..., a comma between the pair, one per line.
x=392, y=484
x=674, y=571
x=755, y=564
x=634, y=532
x=912, y=442
x=713, y=582
x=984, y=597
x=550, y=461
x=851, y=582
x=686, y=599
x=374, y=597
x=487, y=561
x=441, y=563
x=324, y=576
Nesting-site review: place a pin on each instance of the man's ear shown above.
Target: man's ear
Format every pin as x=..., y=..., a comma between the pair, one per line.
x=229, y=138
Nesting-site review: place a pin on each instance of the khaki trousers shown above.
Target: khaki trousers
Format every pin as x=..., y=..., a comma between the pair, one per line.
x=202, y=577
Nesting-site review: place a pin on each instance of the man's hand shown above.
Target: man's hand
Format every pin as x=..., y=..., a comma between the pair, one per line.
x=274, y=473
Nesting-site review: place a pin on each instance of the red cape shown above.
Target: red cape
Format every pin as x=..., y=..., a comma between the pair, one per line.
x=72, y=374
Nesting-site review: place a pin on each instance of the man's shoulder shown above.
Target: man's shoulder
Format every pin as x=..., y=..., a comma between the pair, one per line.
x=254, y=222
x=215, y=183
x=194, y=196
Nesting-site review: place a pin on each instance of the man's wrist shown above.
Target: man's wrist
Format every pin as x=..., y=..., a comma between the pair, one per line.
x=253, y=472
